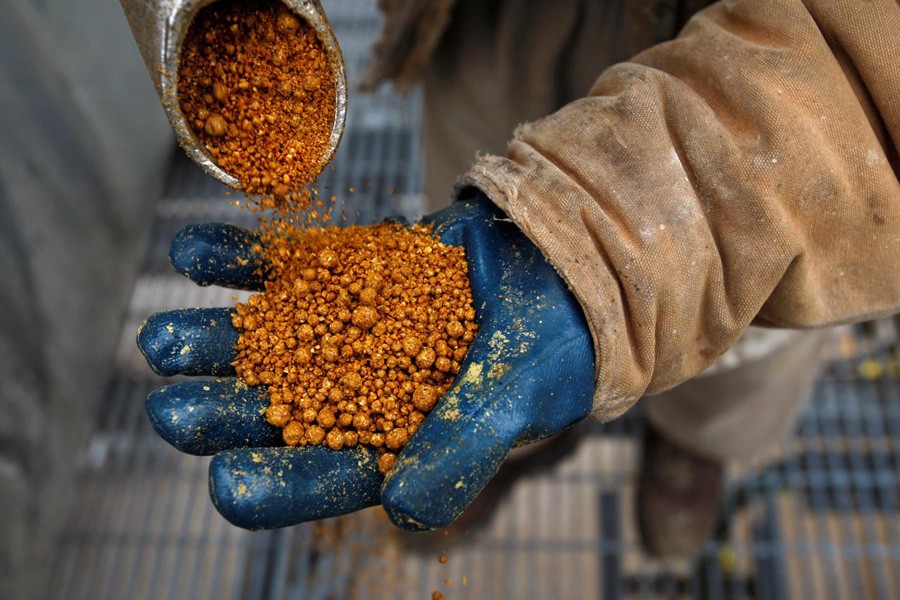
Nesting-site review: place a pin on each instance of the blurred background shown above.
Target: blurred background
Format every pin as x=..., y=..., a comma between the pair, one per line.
x=96, y=506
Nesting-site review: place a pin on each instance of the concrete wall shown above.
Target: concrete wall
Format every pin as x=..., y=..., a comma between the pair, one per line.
x=83, y=144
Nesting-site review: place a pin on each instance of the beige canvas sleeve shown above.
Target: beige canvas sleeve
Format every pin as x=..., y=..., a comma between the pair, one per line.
x=745, y=172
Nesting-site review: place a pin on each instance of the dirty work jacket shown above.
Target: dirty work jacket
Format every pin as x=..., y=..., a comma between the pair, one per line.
x=745, y=172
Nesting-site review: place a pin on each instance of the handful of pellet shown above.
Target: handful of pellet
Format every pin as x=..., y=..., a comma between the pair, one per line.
x=359, y=332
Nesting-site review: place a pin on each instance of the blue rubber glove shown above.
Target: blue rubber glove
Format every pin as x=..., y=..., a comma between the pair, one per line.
x=528, y=374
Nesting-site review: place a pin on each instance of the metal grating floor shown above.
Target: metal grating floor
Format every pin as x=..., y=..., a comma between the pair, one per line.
x=821, y=520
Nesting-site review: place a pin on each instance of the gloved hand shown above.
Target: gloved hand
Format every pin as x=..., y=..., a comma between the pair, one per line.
x=528, y=374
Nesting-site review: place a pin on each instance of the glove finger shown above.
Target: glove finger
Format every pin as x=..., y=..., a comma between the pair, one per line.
x=495, y=403
x=277, y=487
x=205, y=417
x=191, y=341
x=218, y=254
x=456, y=451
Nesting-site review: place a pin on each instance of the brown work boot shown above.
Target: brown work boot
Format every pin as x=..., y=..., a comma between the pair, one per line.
x=679, y=496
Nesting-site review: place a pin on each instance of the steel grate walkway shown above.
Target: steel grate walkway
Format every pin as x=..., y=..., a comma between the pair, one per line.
x=821, y=520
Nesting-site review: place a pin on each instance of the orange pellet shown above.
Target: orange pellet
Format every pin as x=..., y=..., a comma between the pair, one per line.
x=279, y=415
x=425, y=397
x=387, y=461
x=396, y=438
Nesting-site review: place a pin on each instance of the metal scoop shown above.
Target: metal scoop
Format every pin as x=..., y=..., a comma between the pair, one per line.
x=159, y=28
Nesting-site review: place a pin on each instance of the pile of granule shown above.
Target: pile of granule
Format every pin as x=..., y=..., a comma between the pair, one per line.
x=359, y=332
x=258, y=90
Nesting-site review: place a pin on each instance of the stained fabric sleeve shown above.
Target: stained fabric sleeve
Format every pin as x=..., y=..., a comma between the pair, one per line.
x=744, y=172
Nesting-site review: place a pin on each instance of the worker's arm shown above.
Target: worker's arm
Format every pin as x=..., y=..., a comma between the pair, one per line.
x=527, y=375
x=746, y=171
